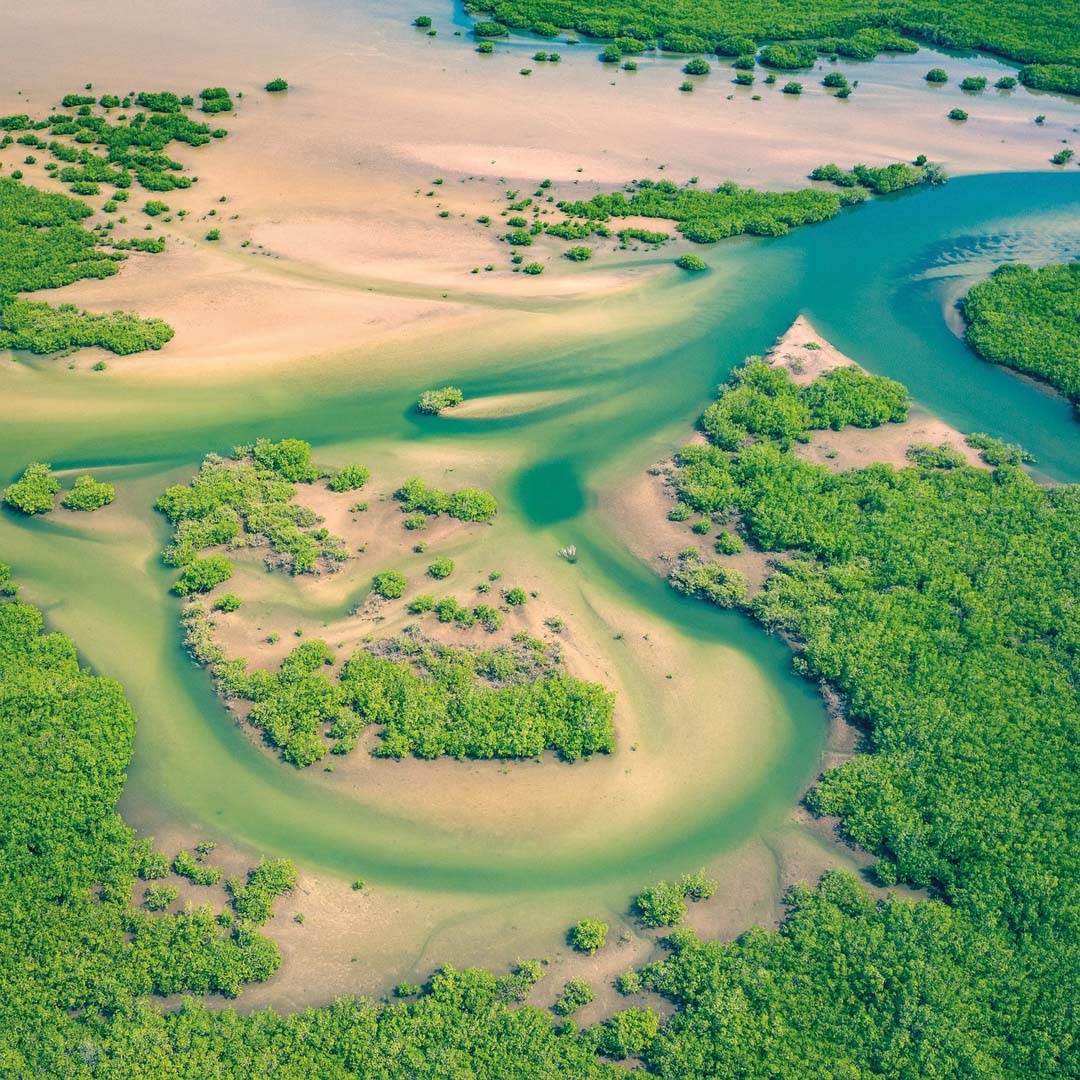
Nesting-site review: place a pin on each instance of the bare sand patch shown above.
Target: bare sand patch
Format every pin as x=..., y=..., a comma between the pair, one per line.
x=493, y=406
x=806, y=356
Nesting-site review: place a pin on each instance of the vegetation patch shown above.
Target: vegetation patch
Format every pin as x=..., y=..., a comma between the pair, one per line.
x=435, y=401
x=465, y=504
x=708, y=216
x=1028, y=320
x=35, y=491
x=246, y=502
x=1034, y=32
x=884, y=178
x=88, y=494
x=428, y=700
x=43, y=245
x=937, y=600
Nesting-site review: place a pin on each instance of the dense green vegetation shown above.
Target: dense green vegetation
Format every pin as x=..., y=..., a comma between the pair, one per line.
x=349, y=478
x=1064, y=78
x=246, y=501
x=428, y=700
x=939, y=600
x=664, y=904
x=884, y=178
x=690, y=262
x=1029, y=320
x=588, y=936
x=465, y=504
x=788, y=57
x=42, y=328
x=215, y=99
x=708, y=216
x=1031, y=31
x=75, y=956
x=88, y=494
x=276, y=86
x=576, y=994
x=43, y=245
x=434, y=401
x=35, y=491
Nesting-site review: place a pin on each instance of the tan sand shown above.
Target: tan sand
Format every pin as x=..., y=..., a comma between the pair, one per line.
x=329, y=183
x=856, y=447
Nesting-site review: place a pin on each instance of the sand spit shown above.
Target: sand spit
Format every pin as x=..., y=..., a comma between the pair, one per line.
x=806, y=356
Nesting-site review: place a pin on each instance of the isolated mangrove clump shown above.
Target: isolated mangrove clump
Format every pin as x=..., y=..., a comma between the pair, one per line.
x=434, y=401
x=690, y=262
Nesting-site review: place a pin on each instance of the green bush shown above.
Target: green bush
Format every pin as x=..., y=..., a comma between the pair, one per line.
x=709, y=581
x=88, y=494
x=471, y=504
x=629, y=1033
x=203, y=574
x=728, y=544
x=434, y=401
x=186, y=865
x=441, y=568
x=791, y=88
x=937, y=75
x=491, y=619
x=579, y=253
x=697, y=66
x=159, y=897
x=429, y=700
x=515, y=597
x=465, y=504
x=349, y=478
x=35, y=491
x=935, y=457
x=41, y=328
x=690, y=262
x=957, y=114
x=588, y=936
x=253, y=900
x=575, y=995
x=228, y=602
x=390, y=585
x=788, y=57
x=215, y=99
x=276, y=86
x=662, y=904
x=974, y=84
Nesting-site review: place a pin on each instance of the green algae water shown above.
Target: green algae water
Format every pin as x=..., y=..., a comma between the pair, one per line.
x=875, y=281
